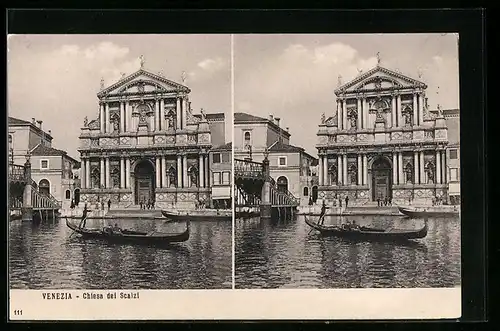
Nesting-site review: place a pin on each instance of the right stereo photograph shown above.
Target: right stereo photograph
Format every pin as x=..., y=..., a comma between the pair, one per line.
x=346, y=161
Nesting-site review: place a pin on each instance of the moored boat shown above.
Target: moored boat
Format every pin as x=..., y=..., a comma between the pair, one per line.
x=434, y=211
x=198, y=214
x=130, y=236
x=368, y=233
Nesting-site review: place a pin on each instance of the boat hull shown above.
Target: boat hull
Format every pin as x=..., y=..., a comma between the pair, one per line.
x=196, y=216
x=368, y=233
x=131, y=237
x=416, y=213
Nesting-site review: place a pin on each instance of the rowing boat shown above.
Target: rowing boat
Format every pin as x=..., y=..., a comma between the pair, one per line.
x=368, y=233
x=199, y=214
x=434, y=211
x=130, y=236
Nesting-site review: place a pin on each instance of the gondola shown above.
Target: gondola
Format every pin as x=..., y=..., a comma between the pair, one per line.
x=430, y=211
x=200, y=214
x=368, y=233
x=129, y=236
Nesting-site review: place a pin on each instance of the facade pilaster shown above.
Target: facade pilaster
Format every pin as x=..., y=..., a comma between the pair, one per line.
x=201, y=167
x=122, y=117
x=127, y=172
x=122, y=172
x=438, y=167
x=157, y=115
x=107, y=125
x=420, y=109
x=83, y=175
x=184, y=171
x=360, y=113
x=415, y=168
x=108, y=181
x=394, y=168
x=340, y=179
x=366, y=113
x=344, y=114
x=393, y=111
x=444, y=166
x=360, y=170
x=101, y=117
x=320, y=168
x=325, y=170
x=87, y=173
x=163, y=123
x=398, y=111
x=401, y=178
x=179, y=171
x=157, y=170
x=415, y=109
x=344, y=166
x=365, y=170
x=339, y=113
x=102, y=173
x=422, y=168
x=163, y=172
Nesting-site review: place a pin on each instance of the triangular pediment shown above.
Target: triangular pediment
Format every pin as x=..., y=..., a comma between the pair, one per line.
x=143, y=81
x=379, y=78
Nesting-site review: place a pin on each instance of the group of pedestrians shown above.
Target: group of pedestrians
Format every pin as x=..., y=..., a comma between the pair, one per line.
x=386, y=201
x=150, y=204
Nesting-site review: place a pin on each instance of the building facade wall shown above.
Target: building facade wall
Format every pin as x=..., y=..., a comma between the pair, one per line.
x=145, y=144
x=221, y=178
x=383, y=143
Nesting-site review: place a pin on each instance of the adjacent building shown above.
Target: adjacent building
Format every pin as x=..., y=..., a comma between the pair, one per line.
x=146, y=144
x=383, y=142
x=52, y=170
x=221, y=176
x=290, y=166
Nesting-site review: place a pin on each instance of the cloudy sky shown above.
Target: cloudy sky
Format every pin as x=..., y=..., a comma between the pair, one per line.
x=294, y=76
x=55, y=78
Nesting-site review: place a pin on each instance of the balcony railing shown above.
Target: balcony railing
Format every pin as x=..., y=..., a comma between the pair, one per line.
x=244, y=168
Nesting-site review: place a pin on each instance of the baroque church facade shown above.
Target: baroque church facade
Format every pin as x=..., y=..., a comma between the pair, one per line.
x=145, y=144
x=382, y=142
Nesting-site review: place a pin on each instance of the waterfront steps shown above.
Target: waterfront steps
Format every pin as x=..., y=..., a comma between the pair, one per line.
x=354, y=210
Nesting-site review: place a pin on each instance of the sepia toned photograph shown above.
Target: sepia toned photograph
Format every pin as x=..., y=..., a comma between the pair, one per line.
x=119, y=161
x=347, y=161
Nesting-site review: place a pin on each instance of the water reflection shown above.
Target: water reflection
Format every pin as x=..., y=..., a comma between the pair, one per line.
x=272, y=254
x=47, y=256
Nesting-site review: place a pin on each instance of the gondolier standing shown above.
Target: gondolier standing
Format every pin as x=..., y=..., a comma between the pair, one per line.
x=321, y=219
x=84, y=217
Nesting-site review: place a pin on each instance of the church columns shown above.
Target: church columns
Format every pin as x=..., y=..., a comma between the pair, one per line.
x=340, y=168
x=101, y=117
x=360, y=171
x=344, y=166
x=401, y=180
x=444, y=177
x=108, y=178
x=207, y=172
x=366, y=114
x=158, y=172
x=325, y=170
x=320, y=168
x=360, y=113
x=157, y=115
x=365, y=170
x=127, y=172
x=438, y=167
x=184, y=171
x=87, y=173
x=415, y=168
x=163, y=123
x=422, y=168
x=107, y=125
x=394, y=168
x=420, y=109
x=102, y=173
x=83, y=173
x=122, y=117
x=344, y=114
x=339, y=114
x=399, y=115
x=122, y=172
x=163, y=172
x=415, y=109
x=184, y=112
x=128, y=117
x=178, y=112
x=201, y=168
x=393, y=112
x=179, y=171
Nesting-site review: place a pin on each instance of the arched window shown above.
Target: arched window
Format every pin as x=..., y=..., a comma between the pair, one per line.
x=352, y=173
x=247, y=138
x=68, y=195
x=332, y=173
x=430, y=172
x=306, y=191
x=44, y=187
x=282, y=184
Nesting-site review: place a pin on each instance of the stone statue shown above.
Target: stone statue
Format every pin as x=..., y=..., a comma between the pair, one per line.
x=408, y=175
x=194, y=181
x=183, y=77
x=85, y=121
x=142, y=61
x=171, y=177
x=378, y=58
x=420, y=73
x=102, y=83
x=407, y=116
x=430, y=175
x=142, y=116
x=339, y=80
x=440, y=111
x=323, y=118
x=115, y=125
x=353, y=121
x=203, y=115
x=333, y=173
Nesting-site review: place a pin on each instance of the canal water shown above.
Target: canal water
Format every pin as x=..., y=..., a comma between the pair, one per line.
x=48, y=257
x=272, y=254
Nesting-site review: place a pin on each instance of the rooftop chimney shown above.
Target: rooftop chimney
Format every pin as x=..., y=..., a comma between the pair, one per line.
x=287, y=128
x=50, y=132
x=277, y=121
x=40, y=124
x=33, y=120
x=279, y=131
x=271, y=118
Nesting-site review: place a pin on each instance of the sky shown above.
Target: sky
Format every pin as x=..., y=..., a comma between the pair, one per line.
x=294, y=76
x=55, y=78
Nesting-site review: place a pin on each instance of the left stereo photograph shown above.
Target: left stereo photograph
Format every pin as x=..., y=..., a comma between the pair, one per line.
x=119, y=162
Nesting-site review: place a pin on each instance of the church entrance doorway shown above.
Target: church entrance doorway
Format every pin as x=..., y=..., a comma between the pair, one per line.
x=144, y=182
x=381, y=179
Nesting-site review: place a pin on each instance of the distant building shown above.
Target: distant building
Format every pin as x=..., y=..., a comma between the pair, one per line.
x=290, y=166
x=383, y=142
x=24, y=136
x=52, y=169
x=221, y=175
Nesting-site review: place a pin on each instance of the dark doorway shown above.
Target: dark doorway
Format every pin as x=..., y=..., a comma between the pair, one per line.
x=314, y=194
x=381, y=179
x=144, y=182
x=77, y=196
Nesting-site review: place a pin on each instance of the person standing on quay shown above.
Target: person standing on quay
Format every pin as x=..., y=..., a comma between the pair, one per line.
x=346, y=200
x=340, y=201
x=109, y=204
